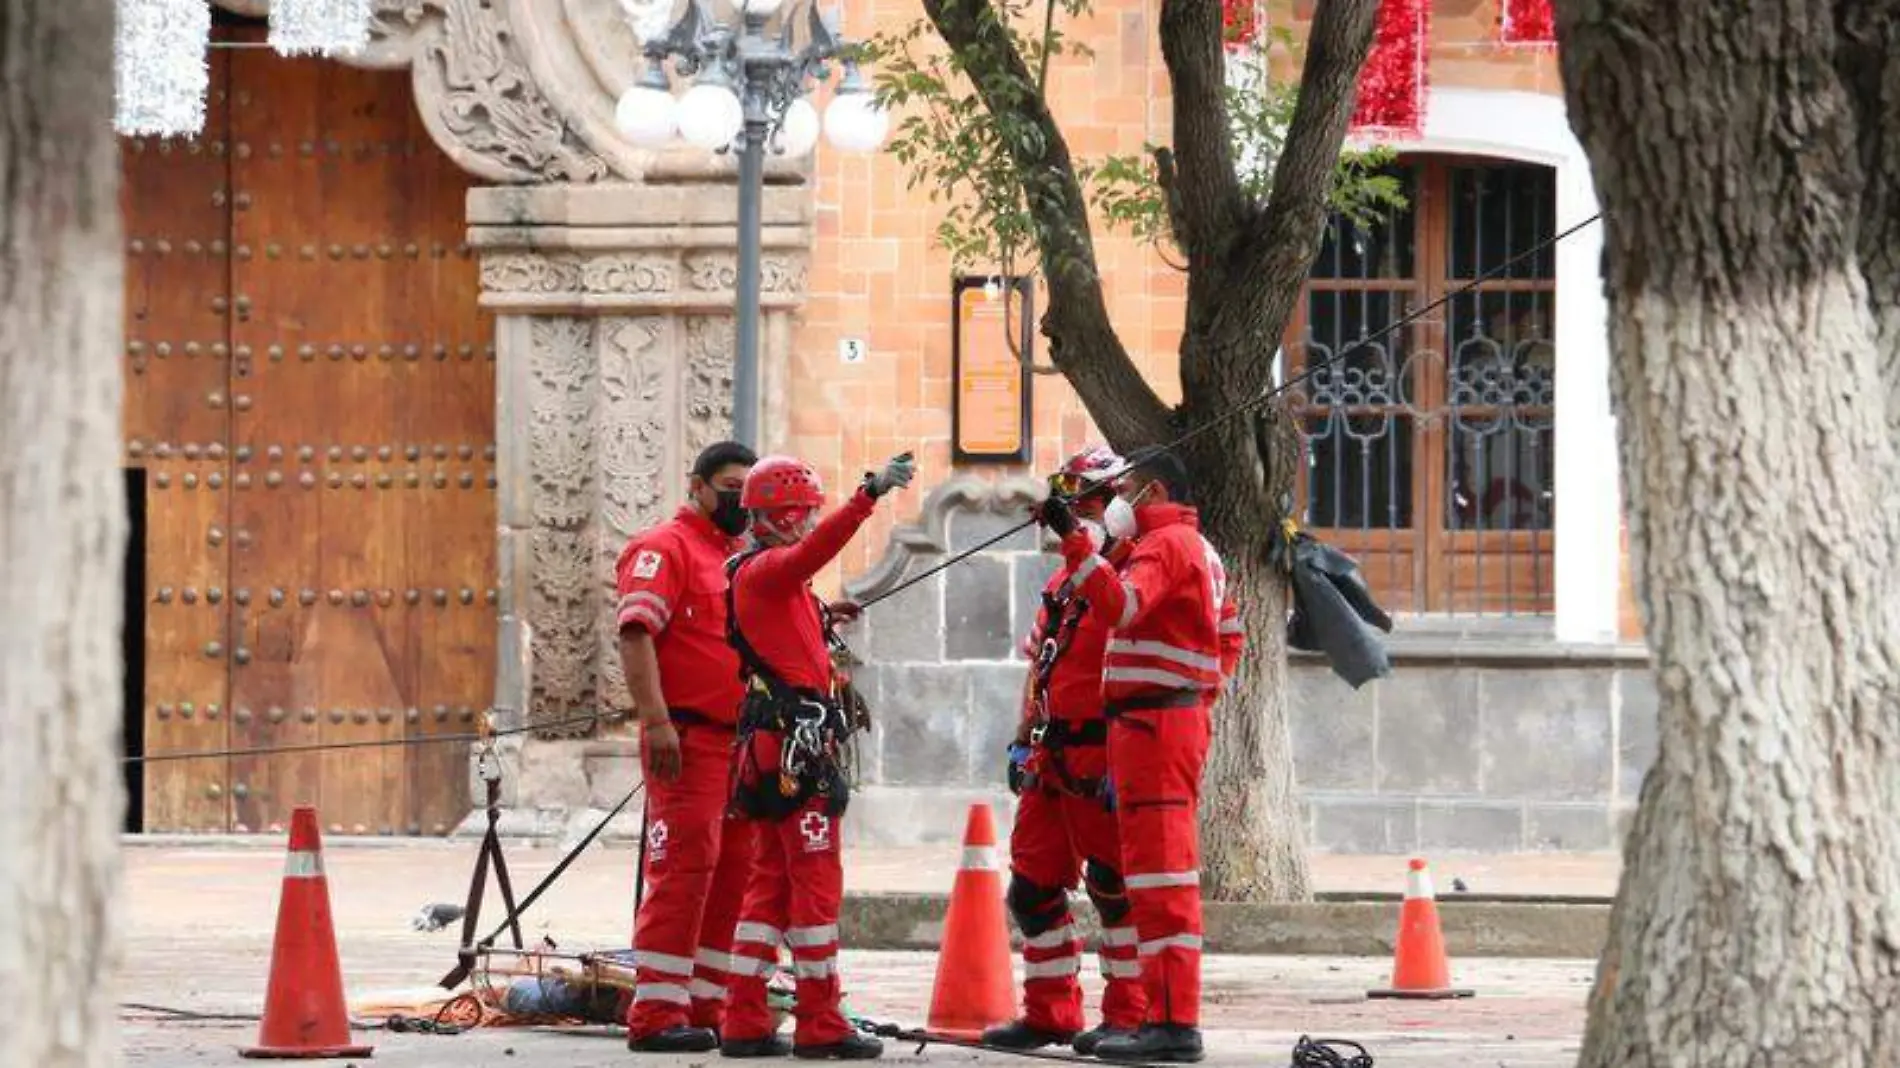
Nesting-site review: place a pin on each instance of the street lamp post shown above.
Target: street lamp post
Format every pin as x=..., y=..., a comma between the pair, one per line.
x=748, y=95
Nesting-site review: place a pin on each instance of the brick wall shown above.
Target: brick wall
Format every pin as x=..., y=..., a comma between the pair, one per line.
x=876, y=274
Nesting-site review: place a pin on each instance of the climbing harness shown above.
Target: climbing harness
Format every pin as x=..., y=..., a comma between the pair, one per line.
x=811, y=727
x=922, y=1038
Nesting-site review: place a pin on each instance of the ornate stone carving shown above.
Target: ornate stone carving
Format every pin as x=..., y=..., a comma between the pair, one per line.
x=719, y=271
x=475, y=93
x=632, y=436
x=931, y=533
x=614, y=273
x=708, y=377
x=564, y=597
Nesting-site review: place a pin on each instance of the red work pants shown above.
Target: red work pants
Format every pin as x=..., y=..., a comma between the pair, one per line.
x=1056, y=833
x=1155, y=758
x=793, y=898
x=696, y=868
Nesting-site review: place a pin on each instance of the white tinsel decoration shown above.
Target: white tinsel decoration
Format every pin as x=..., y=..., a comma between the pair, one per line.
x=159, y=67
x=320, y=27
x=648, y=18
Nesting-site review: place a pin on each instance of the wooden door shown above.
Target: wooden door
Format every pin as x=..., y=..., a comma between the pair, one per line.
x=1429, y=449
x=176, y=204
x=357, y=482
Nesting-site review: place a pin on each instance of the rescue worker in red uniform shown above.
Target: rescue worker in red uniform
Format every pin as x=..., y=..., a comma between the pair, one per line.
x=792, y=732
x=684, y=681
x=1065, y=827
x=1160, y=675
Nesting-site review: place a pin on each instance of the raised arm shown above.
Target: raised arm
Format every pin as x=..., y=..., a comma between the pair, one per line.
x=791, y=566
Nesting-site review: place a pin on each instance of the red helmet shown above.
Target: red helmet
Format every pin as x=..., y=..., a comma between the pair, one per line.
x=1094, y=466
x=782, y=482
x=786, y=489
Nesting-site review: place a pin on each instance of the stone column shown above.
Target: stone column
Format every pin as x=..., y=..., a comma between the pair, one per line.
x=614, y=338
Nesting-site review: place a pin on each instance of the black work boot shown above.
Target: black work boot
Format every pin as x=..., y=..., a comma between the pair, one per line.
x=852, y=1047
x=1022, y=1035
x=755, y=1048
x=681, y=1039
x=1086, y=1042
x=1154, y=1042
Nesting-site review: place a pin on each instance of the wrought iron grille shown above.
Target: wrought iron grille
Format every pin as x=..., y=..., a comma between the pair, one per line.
x=1429, y=452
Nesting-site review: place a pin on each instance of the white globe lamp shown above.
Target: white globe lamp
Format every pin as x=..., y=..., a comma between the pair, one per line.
x=647, y=114
x=855, y=123
x=798, y=130
x=710, y=116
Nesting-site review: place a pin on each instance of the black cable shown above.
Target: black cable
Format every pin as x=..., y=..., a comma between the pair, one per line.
x=378, y=743
x=1314, y=1053
x=1249, y=405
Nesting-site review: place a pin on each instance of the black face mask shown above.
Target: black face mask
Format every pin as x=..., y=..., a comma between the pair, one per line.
x=727, y=515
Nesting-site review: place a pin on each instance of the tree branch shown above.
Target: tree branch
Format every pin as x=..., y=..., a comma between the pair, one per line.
x=1235, y=313
x=1205, y=203
x=1083, y=342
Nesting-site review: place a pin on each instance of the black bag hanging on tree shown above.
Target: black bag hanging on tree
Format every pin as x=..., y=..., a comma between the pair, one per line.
x=1333, y=611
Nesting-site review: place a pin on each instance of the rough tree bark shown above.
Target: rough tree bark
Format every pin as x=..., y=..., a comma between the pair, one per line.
x=1758, y=922
x=1247, y=263
x=62, y=533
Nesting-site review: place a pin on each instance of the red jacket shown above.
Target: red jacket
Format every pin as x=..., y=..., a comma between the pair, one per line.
x=777, y=611
x=1165, y=606
x=672, y=583
x=1075, y=684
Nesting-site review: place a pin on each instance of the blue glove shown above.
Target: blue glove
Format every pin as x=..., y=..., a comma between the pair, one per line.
x=1108, y=794
x=1018, y=759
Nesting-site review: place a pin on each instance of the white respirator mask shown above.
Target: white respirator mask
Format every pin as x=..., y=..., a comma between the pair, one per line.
x=1119, y=517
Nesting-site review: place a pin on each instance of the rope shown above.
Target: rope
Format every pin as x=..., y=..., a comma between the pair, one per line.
x=379, y=743
x=1313, y=1053
x=1249, y=405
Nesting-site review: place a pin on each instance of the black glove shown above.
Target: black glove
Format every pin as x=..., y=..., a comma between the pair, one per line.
x=1055, y=514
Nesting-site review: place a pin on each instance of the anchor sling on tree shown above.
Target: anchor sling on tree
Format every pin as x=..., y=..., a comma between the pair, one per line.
x=684, y=682
x=1164, y=664
x=789, y=778
x=1065, y=829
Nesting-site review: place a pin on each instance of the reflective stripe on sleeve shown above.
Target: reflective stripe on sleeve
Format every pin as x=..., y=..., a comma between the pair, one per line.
x=1153, y=677
x=1163, y=651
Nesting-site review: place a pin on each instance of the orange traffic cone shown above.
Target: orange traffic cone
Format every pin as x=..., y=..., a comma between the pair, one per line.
x=974, y=988
x=304, y=1013
x=1420, y=968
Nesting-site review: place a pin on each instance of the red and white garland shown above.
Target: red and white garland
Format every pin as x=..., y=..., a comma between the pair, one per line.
x=1526, y=22
x=1392, y=85
x=1240, y=23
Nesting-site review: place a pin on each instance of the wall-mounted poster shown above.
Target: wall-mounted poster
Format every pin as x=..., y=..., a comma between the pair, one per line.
x=991, y=404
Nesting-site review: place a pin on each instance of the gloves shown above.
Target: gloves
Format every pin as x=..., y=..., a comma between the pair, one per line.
x=1018, y=771
x=896, y=475
x=1054, y=513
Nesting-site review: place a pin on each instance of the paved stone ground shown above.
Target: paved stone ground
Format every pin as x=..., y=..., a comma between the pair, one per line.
x=200, y=921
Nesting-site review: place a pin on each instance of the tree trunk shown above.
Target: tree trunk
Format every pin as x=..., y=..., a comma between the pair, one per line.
x=62, y=533
x=1756, y=923
x=1253, y=841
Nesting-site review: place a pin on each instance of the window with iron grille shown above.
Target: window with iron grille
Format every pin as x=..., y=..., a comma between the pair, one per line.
x=1429, y=451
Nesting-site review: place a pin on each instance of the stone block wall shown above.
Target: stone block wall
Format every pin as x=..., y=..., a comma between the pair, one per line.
x=1487, y=739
